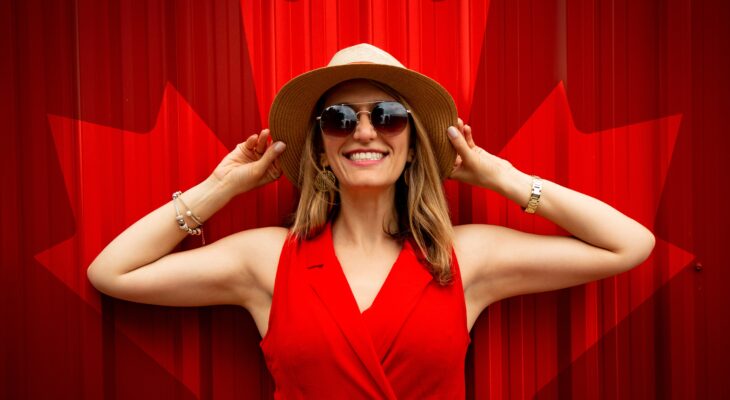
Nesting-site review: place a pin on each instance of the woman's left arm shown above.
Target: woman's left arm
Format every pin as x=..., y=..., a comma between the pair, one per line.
x=508, y=262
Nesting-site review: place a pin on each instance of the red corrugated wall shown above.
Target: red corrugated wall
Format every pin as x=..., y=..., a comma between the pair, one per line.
x=107, y=107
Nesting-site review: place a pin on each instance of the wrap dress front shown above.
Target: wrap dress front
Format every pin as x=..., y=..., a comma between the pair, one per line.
x=410, y=343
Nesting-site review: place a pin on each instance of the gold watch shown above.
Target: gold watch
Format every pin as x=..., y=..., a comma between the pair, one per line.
x=534, y=195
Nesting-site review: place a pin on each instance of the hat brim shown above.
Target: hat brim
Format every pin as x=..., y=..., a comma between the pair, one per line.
x=291, y=114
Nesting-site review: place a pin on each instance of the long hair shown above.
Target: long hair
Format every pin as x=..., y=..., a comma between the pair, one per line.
x=420, y=204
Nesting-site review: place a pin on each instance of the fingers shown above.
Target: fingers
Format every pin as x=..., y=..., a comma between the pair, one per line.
x=459, y=142
x=250, y=142
x=276, y=171
x=468, y=136
x=466, y=131
x=255, y=145
x=272, y=152
x=261, y=144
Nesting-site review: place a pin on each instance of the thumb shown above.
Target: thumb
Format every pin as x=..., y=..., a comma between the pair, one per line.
x=460, y=144
x=273, y=152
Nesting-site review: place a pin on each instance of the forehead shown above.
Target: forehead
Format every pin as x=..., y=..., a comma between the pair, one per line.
x=355, y=91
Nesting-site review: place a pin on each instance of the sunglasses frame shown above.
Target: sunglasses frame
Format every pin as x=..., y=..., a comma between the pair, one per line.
x=357, y=115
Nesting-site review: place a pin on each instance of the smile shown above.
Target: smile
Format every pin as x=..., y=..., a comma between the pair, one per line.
x=365, y=156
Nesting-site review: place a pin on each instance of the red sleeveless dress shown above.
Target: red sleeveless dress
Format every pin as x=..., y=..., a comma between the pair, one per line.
x=410, y=344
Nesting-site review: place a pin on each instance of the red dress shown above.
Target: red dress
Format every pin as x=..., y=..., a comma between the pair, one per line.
x=410, y=344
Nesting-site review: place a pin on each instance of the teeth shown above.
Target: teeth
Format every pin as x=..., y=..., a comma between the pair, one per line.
x=365, y=156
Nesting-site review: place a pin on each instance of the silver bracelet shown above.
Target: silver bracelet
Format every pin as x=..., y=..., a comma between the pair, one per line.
x=181, y=220
x=189, y=212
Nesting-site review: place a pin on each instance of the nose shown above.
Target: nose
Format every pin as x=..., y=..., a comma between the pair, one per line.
x=364, y=131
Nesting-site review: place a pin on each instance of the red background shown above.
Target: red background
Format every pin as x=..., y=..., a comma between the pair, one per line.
x=110, y=106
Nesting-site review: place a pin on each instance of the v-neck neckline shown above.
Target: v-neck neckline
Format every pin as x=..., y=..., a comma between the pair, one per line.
x=383, y=286
x=370, y=332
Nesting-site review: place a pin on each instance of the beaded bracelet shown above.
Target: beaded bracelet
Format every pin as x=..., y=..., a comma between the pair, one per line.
x=198, y=230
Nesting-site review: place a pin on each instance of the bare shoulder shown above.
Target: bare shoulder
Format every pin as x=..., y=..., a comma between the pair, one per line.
x=475, y=247
x=259, y=250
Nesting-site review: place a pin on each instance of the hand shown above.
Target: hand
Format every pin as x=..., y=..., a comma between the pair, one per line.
x=251, y=164
x=474, y=165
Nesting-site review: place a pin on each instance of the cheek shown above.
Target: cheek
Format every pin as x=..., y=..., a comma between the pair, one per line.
x=402, y=147
x=331, y=150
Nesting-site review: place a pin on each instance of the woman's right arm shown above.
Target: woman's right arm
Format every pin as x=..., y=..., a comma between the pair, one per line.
x=137, y=265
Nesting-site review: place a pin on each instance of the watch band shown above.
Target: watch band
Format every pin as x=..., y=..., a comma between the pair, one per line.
x=534, y=195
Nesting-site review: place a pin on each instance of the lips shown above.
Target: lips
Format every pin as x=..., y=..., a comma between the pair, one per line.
x=365, y=155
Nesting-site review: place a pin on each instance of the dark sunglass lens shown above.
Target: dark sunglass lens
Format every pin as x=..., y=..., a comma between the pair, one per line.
x=389, y=117
x=338, y=120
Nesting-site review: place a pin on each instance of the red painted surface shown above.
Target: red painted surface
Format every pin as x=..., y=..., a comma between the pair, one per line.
x=108, y=107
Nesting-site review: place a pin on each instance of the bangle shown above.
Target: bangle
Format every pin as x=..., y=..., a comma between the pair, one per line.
x=198, y=230
x=189, y=212
x=534, y=195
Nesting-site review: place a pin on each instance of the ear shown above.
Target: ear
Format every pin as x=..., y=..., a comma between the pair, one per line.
x=323, y=160
x=410, y=155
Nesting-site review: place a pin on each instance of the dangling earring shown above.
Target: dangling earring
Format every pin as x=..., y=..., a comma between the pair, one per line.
x=325, y=180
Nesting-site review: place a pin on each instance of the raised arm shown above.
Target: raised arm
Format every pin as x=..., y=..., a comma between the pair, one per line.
x=508, y=262
x=137, y=266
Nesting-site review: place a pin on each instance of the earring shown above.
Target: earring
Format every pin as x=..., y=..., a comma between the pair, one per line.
x=325, y=180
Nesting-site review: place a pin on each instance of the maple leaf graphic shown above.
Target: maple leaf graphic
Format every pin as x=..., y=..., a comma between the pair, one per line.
x=178, y=152
x=178, y=130
x=599, y=164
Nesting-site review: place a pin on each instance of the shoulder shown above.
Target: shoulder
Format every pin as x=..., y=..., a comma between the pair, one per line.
x=476, y=248
x=259, y=241
x=258, y=250
x=471, y=238
x=469, y=233
x=263, y=245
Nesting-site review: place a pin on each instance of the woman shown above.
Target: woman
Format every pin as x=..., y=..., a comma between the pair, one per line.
x=375, y=290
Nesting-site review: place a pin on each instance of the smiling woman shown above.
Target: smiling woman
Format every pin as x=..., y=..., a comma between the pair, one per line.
x=406, y=175
x=372, y=292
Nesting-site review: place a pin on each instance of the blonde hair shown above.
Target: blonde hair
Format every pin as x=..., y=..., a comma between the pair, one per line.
x=420, y=205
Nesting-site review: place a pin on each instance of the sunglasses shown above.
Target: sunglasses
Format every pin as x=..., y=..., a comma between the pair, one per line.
x=387, y=117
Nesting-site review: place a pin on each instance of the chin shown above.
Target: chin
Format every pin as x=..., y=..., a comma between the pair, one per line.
x=374, y=183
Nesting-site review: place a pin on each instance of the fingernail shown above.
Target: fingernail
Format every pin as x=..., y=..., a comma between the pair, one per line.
x=453, y=132
x=279, y=146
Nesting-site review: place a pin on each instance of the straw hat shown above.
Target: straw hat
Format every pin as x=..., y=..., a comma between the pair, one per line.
x=292, y=113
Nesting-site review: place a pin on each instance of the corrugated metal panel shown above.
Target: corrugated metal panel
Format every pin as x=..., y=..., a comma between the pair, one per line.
x=110, y=106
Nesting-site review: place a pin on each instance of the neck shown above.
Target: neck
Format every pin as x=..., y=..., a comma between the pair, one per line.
x=363, y=214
